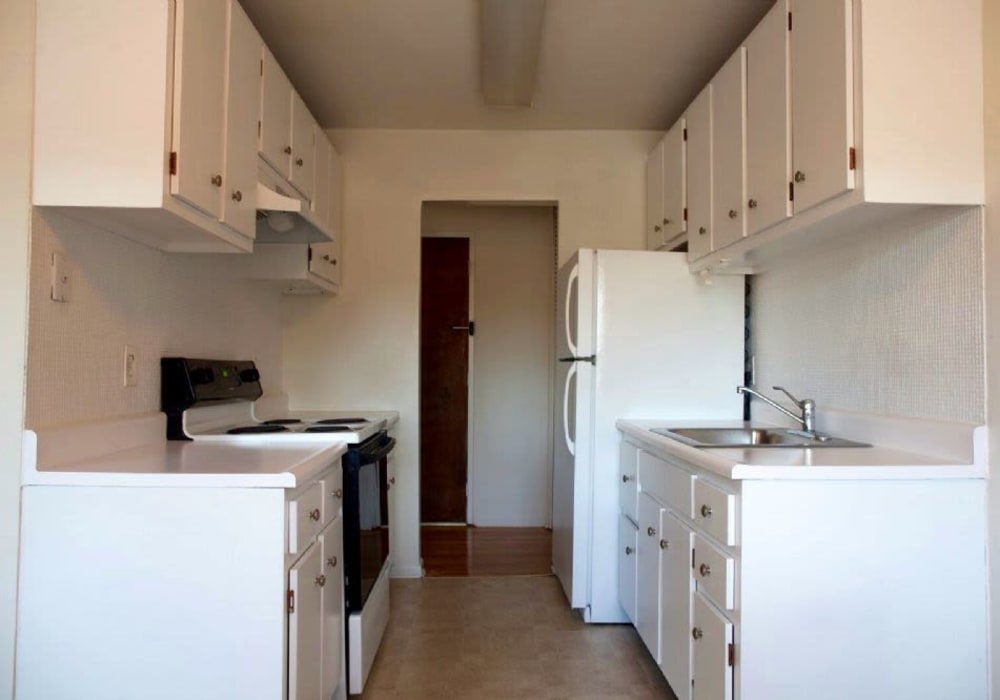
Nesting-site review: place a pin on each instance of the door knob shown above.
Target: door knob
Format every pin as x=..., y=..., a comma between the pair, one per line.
x=471, y=328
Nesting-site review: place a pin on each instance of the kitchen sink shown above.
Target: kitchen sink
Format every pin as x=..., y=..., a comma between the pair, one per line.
x=753, y=437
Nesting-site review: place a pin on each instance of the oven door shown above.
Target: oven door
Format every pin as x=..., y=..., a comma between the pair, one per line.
x=366, y=478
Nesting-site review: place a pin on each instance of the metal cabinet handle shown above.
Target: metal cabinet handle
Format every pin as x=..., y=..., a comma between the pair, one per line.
x=702, y=230
x=299, y=162
x=321, y=580
x=628, y=551
x=705, y=570
x=625, y=478
x=332, y=562
x=237, y=196
x=733, y=213
x=217, y=180
x=314, y=514
x=800, y=176
x=752, y=203
x=650, y=531
x=664, y=544
x=338, y=494
x=697, y=633
x=706, y=511
x=288, y=150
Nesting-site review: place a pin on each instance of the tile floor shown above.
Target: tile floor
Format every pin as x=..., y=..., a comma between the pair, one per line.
x=501, y=638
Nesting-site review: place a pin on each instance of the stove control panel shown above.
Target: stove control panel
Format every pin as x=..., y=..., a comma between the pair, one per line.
x=186, y=382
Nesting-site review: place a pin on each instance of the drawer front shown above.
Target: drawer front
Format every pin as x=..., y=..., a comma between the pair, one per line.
x=333, y=494
x=628, y=480
x=628, y=535
x=715, y=573
x=666, y=483
x=711, y=649
x=715, y=512
x=305, y=518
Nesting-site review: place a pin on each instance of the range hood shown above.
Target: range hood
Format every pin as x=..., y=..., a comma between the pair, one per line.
x=282, y=217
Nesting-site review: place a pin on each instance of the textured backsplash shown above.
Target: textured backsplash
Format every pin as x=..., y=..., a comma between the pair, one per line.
x=122, y=292
x=891, y=322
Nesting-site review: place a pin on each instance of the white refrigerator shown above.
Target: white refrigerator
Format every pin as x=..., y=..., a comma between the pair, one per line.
x=638, y=337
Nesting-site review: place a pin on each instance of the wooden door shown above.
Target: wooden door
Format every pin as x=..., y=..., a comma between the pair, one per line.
x=699, y=174
x=674, y=189
x=444, y=379
x=654, y=197
x=822, y=68
x=729, y=108
x=275, y=139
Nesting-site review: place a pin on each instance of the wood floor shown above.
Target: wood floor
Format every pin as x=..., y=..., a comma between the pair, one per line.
x=485, y=551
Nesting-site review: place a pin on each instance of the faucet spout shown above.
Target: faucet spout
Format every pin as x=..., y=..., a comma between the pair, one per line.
x=807, y=406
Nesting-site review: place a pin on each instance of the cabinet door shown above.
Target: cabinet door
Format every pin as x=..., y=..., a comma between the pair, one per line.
x=303, y=147
x=729, y=107
x=654, y=197
x=628, y=536
x=674, y=184
x=769, y=131
x=628, y=480
x=199, y=96
x=242, y=115
x=336, y=199
x=331, y=540
x=275, y=140
x=822, y=69
x=306, y=581
x=647, y=586
x=324, y=261
x=699, y=174
x=322, y=190
x=712, y=640
x=676, y=590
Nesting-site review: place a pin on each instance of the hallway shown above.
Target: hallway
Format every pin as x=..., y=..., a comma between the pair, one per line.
x=502, y=638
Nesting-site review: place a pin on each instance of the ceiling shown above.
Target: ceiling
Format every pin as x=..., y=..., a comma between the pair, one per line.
x=414, y=64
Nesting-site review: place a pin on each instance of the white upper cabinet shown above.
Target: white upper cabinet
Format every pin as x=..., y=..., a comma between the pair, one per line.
x=822, y=85
x=729, y=103
x=674, y=184
x=769, y=148
x=199, y=103
x=303, y=141
x=321, y=179
x=242, y=100
x=275, y=142
x=654, y=197
x=699, y=174
x=336, y=218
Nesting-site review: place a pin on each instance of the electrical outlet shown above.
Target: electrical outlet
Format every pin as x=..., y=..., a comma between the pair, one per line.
x=130, y=372
x=59, y=290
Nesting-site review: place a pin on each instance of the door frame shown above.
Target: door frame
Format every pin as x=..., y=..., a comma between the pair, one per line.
x=470, y=381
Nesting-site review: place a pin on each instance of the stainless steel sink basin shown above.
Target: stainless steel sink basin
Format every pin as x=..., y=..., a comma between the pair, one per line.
x=753, y=437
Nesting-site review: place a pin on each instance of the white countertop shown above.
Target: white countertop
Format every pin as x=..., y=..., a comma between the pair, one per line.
x=876, y=462
x=134, y=452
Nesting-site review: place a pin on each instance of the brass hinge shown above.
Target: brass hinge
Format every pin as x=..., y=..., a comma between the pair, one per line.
x=685, y=133
x=291, y=601
x=791, y=191
x=852, y=158
x=258, y=128
x=685, y=213
x=310, y=249
x=732, y=654
x=262, y=66
x=173, y=162
x=692, y=558
x=789, y=21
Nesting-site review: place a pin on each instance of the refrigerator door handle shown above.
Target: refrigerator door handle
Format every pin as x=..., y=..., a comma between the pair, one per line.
x=570, y=443
x=574, y=278
x=592, y=359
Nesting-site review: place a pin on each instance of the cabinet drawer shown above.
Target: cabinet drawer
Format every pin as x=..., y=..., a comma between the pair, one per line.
x=712, y=652
x=628, y=535
x=715, y=573
x=715, y=511
x=666, y=483
x=305, y=517
x=332, y=486
x=628, y=480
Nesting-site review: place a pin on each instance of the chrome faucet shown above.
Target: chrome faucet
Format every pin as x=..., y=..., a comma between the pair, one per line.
x=807, y=406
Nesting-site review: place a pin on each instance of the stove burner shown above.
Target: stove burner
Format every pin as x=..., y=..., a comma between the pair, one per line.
x=257, y=429
x=282, y=421
x=328, y=429
x=341, y=421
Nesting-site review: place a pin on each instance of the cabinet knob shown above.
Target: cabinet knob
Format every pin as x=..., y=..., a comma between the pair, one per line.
x=733, y=213
x=702, y=230
x=321, y=580
x=650, y=531
x=334, y=261
x=656, y=227
x=697, y=633
x=392, y=480
x=664, y=544
x=332, y=562
x=288, y=150
x=706, y=511
x=338, y=494
x=314, y=514
x=299, y=162
x=237, y=196
x=327, y=258
x=625, y=478
x=752, y=204
x=666, y=221
x=705, y=570
x=628, y=551
x=217, y=180
x=800, y=176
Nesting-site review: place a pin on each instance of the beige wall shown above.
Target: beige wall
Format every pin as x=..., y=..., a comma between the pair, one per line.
x=513, y=299
x=16, y=70
x=596, y=178
x=991, y=44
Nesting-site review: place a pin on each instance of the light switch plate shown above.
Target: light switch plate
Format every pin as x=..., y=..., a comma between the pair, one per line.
x=130, y=373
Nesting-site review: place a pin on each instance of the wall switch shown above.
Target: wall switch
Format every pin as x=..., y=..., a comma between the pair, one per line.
x=130, y=374
x=60, y=278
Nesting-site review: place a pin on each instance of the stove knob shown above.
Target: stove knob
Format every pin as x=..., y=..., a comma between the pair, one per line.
x=202, y=375
x=249, y=376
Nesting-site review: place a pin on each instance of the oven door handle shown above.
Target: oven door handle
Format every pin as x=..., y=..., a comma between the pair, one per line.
x=378, y=453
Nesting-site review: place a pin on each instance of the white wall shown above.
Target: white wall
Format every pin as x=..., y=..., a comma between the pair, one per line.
x=17, y=32
x=360, y=349
x=887, y=320
x=513, y=258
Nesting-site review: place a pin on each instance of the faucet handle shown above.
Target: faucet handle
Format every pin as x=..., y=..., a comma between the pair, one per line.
x=787, y=393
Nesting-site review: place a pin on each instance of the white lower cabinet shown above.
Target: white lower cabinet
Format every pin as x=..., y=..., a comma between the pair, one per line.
x=676, y=589
x=647, y=589
x=712, y=652
x=331, y=539
x=628, y=535
x=305, y=625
